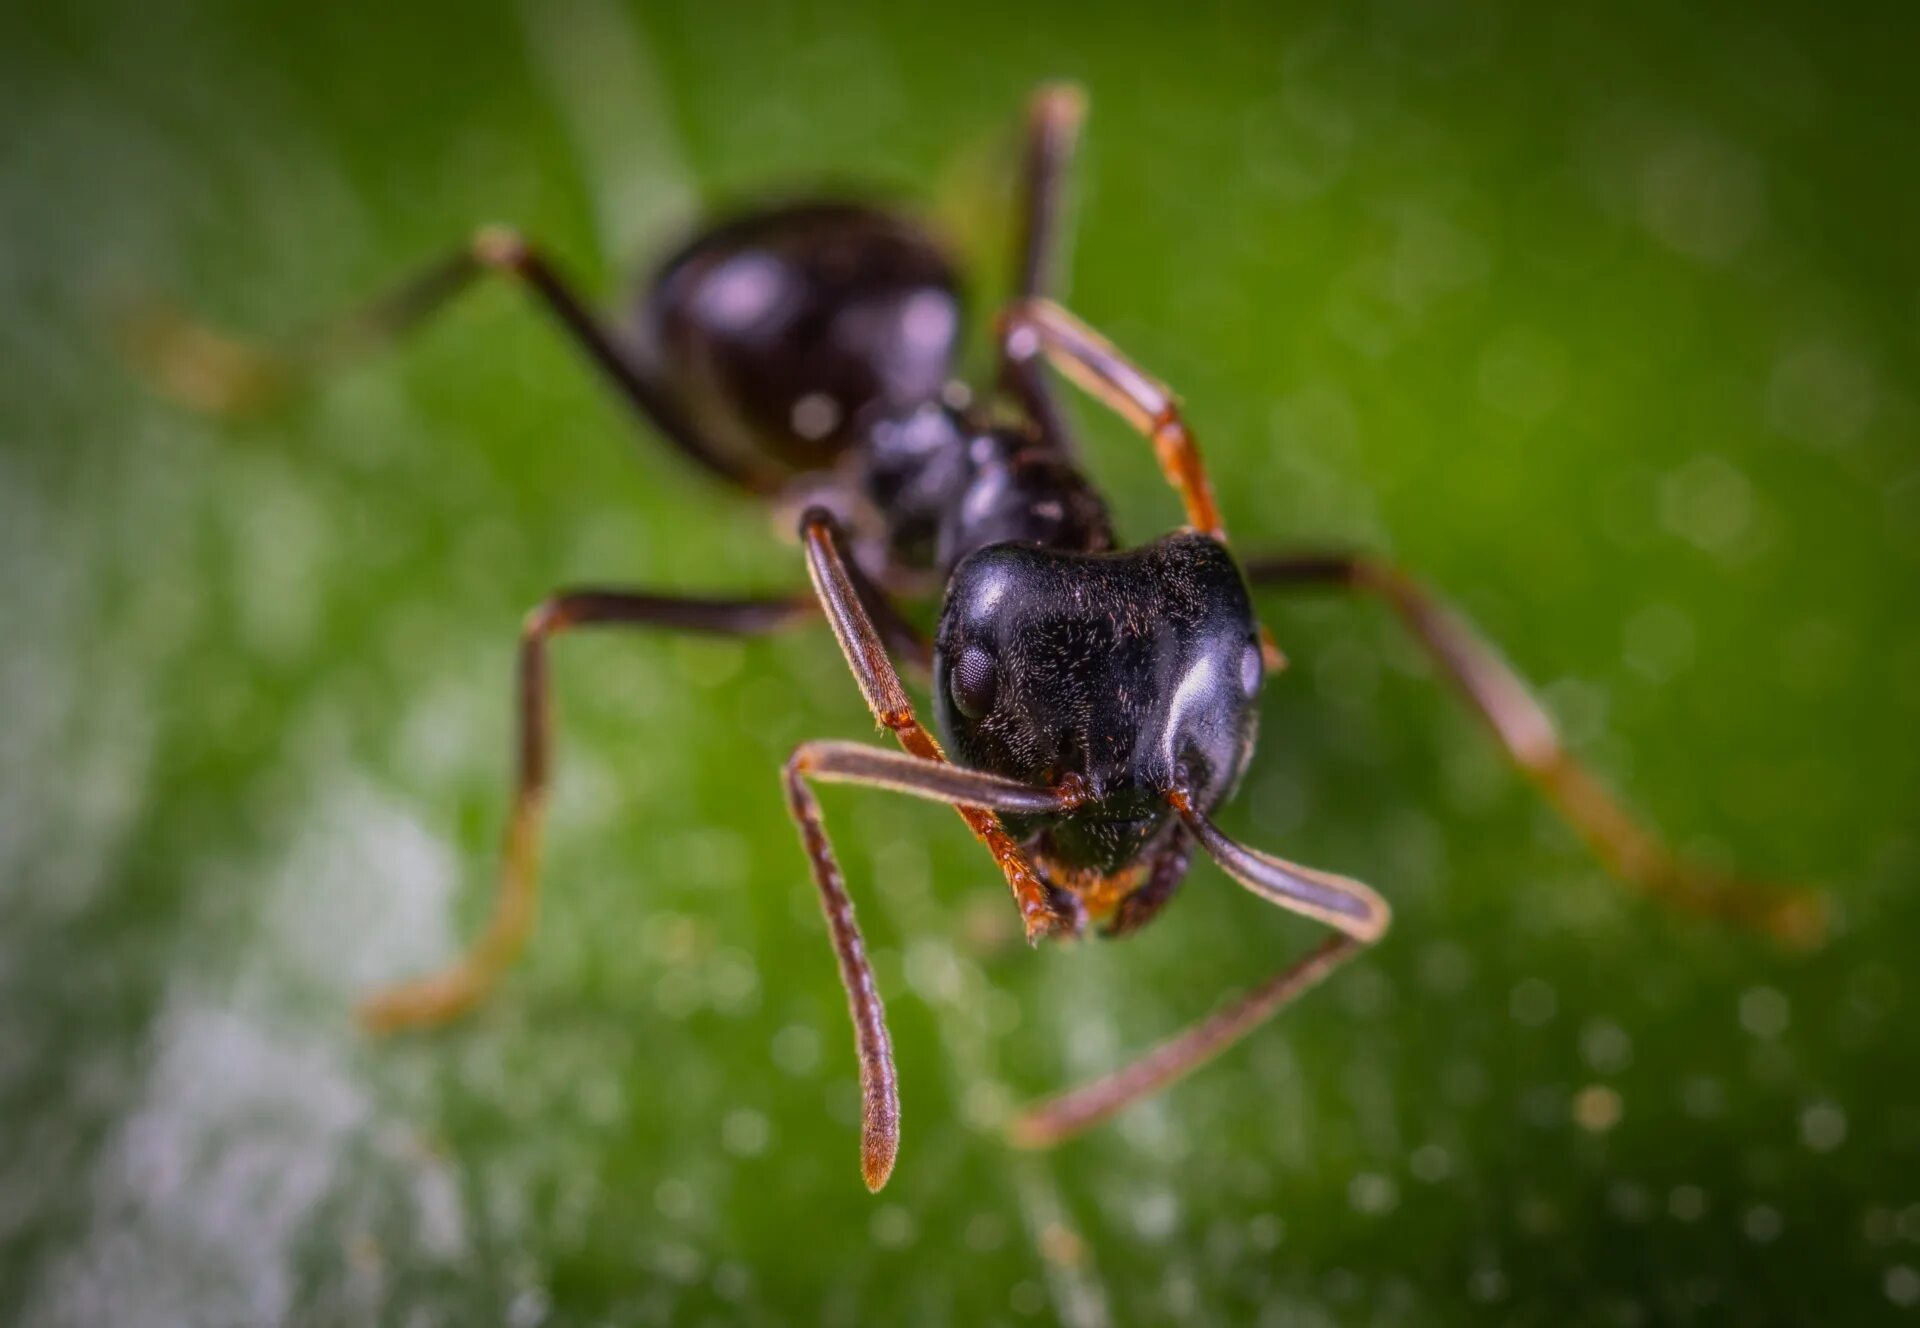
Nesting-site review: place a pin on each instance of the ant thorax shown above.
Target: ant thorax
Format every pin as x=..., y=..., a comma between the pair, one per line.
x=948, y=485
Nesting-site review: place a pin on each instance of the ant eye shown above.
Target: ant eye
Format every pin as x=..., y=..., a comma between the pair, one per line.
x=975, y=682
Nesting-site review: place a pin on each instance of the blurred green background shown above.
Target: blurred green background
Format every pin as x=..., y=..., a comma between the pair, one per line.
x=1604, y=317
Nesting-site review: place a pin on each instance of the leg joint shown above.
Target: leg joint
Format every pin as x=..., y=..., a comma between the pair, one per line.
x=800, y=763
x=900, y=719
x=546, y=618
x=816, y=522
x=501, y=248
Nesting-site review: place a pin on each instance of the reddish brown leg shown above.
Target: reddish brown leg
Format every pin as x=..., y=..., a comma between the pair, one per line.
x=1054, y=115
x=941, y=781
x=1358, y=915
x=1041, y=327
x=1043, y=912
x=211, y=372
x=1629, y=849
x=439, y=997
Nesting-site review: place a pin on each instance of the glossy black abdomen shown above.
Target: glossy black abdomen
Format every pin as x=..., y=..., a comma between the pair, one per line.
x=786, y=330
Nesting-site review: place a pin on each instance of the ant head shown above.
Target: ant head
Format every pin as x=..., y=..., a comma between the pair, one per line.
x=1134, y=673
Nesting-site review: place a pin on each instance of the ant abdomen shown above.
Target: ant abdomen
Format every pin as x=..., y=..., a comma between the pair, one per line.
x=785, y=331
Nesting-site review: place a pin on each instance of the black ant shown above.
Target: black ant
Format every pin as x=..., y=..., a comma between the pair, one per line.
x=1099, y=702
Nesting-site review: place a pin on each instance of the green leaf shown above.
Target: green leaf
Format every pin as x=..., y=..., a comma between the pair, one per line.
x=1603, y=321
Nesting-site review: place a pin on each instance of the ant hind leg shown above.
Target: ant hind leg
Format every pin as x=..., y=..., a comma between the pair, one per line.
x=217, y=374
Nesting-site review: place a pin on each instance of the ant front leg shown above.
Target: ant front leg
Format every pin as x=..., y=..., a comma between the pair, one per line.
x=1497, y=694
x=442, y=996
x=1041, y=327
x=1043, y=911
x=211, y=372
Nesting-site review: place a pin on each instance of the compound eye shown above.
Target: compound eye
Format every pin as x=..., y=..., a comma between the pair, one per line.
x=975, y=682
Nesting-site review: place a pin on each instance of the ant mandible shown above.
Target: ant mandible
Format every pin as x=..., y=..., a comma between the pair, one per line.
x=1100, y=701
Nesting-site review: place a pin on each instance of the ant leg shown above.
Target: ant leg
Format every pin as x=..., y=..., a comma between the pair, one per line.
x=1054, y=114
x=1358, y=915
x=439, y=997
x=208, y=371
x=856, y=763
x=1041, y=327
x=1497, y=694
x=898, y=635
x=1044, y=912
x=215, y=374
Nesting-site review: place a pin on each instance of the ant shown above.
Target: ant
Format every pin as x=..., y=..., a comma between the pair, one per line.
x=1100, y=702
